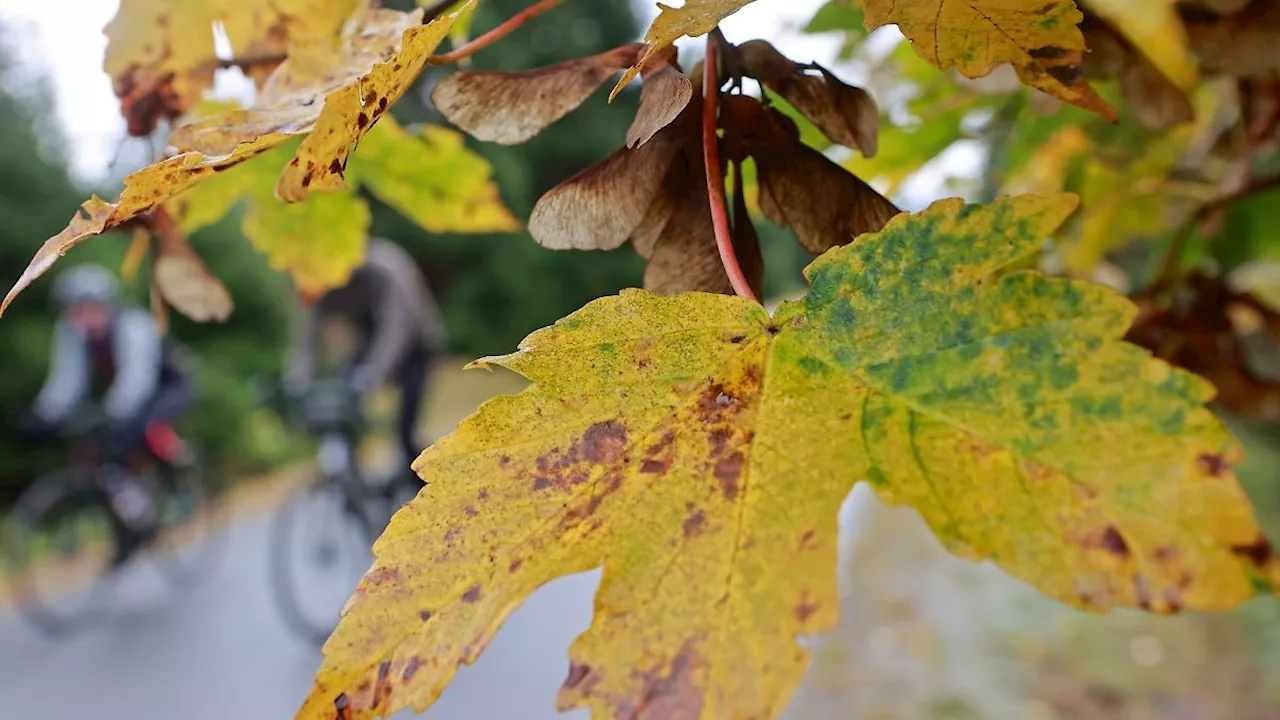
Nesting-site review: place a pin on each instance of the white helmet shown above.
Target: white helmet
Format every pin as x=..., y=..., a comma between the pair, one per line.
x=86, y=283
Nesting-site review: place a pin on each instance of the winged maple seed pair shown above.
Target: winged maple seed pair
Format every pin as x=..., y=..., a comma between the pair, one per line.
x=653, y=190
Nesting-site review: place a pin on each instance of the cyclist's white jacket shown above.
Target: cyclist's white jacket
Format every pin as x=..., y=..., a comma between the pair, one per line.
x=138, y=351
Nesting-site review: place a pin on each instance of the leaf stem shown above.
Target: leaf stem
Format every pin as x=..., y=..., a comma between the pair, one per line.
x=496, y=34
x=715, y=178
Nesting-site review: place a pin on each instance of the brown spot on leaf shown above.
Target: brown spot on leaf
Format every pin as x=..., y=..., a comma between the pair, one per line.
x=1258, y=552
x=605, y=442
x=471, y=595
x=696, y=522
x=806, y=540
x=577, y=674
x=675, y=694
x=411, y=668
x=1142, y=591
x=425, y=615
x=335, y=167
x=738, y=339
x=541, y=483
x=805, y=608
x=728, y=470
x=1113, y=542
x=1069, y=75
x=1166, y=553
x=382, y=104
x=1213, y=464
x=655, y=467
x=362, y=120
x=657, y=459
x=383, y=575
x=715, y=403
x=483, y=494
x=341, y=707
x=515, y=564
x=504, y=460
x=306, y=180
x=1049, y=52
x=470, y=511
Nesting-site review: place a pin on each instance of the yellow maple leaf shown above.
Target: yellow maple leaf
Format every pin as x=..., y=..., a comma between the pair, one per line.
x=143, y=191
x=699, y=450
x=332, y=92
x=431, y=177
x=338, y=88
x=319, y=242
x=1040, y=38
x=160, y=53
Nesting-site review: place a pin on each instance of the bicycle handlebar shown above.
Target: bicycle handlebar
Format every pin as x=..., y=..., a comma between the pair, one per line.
x=325, y=405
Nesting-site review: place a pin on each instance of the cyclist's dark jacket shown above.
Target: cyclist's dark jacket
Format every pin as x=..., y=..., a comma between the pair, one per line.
x=389, y=305
x=133, y=362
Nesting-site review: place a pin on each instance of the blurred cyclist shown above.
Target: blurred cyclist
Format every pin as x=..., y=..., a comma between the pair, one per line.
x=398, y=331
x=99, y=344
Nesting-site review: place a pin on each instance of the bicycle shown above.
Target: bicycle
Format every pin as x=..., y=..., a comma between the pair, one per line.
x=65, y=539
x=330, y=522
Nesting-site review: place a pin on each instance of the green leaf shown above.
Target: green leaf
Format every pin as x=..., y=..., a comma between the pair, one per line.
x=430, y=177
x=699, y=449
x=838, y=15
x=320, y=241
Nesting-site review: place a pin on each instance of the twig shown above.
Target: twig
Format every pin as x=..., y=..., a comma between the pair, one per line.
x=495, y=34
x=1167, y=275
x=715, y=179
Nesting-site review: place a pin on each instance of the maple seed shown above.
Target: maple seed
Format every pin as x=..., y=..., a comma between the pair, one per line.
x=510, y=108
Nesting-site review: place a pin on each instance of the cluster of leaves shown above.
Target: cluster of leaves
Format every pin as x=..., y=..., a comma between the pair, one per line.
x=696, y=446
x=328, y=95
x=1172, y=199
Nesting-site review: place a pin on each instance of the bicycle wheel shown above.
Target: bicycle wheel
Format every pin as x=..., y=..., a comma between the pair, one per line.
x=60, y=541
x=187, y=540
x=320, y=547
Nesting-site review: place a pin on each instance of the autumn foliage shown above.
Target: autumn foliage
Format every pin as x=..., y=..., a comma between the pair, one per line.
x=962, y=360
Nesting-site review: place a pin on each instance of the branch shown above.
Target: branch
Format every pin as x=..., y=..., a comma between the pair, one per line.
x=715, y=178
x=495, y=34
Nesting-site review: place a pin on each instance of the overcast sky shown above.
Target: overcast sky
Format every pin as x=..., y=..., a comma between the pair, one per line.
x=65, y=38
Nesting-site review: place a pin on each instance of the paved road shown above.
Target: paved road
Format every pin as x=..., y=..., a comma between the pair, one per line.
x=222, y=651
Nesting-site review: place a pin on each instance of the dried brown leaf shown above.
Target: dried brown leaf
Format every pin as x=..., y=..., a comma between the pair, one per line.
x=1245, y=43
x=665, y=94
x=180, y=276
x=1154, y=100
x=844, y=113
x=600, y=207
x=824, y=204
x=512, y=107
